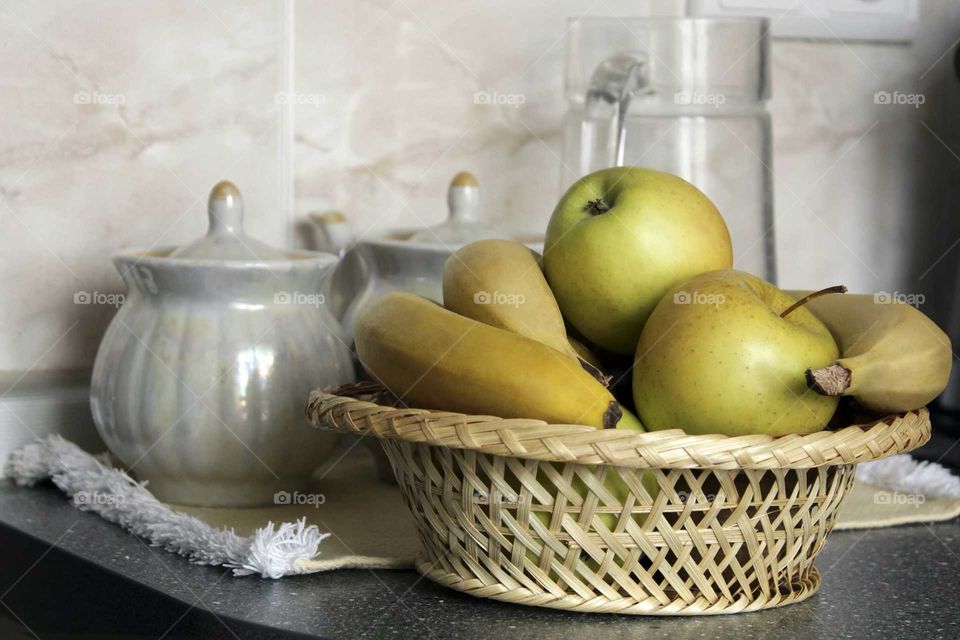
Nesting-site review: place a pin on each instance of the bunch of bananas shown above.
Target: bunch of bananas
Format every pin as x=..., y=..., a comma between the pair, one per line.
x=498, y=346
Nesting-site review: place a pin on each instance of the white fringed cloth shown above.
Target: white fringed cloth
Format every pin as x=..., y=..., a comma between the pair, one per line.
x=272, y=551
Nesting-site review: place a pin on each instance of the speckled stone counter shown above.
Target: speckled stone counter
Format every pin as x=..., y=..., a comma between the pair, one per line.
x=66, y=571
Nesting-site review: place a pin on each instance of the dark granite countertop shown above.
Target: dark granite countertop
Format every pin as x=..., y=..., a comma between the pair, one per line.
x=67, y=571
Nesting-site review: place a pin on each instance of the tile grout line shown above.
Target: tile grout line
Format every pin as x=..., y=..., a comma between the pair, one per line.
x=286, y=197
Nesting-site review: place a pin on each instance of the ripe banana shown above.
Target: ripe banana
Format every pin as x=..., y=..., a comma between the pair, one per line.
x=501, y=283
x=629, y=421
x=584, y=352
x=436, y=359
x=893, y=357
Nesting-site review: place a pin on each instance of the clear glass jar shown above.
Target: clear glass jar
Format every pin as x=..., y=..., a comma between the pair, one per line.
x=684, y=95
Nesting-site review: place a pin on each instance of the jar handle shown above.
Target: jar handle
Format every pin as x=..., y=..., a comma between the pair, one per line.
x=616, y=81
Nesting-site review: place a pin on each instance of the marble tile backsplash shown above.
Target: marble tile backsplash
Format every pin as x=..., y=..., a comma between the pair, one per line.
x=117, y=118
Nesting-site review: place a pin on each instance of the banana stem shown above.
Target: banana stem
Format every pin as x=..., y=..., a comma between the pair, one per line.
x=596, y=373
x=829, y=381
x=816, y=294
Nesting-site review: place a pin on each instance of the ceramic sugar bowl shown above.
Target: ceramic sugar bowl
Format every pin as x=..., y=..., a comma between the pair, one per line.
x=200, y=380
x=404, y=259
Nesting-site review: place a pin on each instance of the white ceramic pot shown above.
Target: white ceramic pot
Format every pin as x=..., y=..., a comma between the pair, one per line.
x=201, y=379
x=403, y=259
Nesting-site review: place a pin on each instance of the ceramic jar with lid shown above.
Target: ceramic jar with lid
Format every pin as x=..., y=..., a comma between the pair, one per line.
x=200, y=381
x=404, y=259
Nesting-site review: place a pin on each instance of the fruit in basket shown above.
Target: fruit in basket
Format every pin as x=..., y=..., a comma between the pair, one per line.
x=894, y=358
x=614, y=482
x=629, y=421
x=720, y=355
x=584, y=352
x=619, y=239
x=501, y=283
x=433, y=358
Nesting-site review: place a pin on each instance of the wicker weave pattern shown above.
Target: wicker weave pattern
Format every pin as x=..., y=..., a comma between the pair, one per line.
x=671, y=449
x=749, y=546
x=733, y=524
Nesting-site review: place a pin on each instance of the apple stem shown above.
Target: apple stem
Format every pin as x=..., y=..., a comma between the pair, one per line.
x=816, y=294
x=596, y=207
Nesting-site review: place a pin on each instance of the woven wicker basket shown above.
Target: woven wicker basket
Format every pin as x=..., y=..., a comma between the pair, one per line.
x=559, y=515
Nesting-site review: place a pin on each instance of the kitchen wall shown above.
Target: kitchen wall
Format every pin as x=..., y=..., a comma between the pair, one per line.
x=118, y=116
x=861, y=186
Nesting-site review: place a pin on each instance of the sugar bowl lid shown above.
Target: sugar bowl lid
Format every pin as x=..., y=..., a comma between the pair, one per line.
x=465, y=222
x=226, y=240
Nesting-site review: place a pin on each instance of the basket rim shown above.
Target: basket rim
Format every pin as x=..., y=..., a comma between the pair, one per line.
x=666, y=449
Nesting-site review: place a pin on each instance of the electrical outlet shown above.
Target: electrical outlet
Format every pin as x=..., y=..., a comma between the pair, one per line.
x=872, y=20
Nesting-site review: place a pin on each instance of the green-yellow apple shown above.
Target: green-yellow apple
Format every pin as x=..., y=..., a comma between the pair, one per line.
x=619, y=239
x=717, y=357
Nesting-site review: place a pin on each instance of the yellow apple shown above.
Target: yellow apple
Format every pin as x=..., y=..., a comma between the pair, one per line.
x=619, y=239
x=717, y=357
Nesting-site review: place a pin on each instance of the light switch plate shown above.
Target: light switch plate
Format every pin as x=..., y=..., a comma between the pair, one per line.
x=870, y=20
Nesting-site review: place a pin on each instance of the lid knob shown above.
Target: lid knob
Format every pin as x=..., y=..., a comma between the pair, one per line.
x=225, y=239
x=465, y=223
x=463, y=196
x=225, y=208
